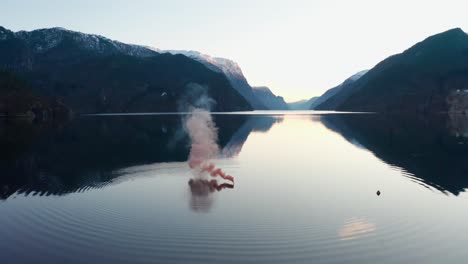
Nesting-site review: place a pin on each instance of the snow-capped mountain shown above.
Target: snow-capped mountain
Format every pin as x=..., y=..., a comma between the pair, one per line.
x=232, y=71
x=72, y=44
x=90, y=73
x=43, y=40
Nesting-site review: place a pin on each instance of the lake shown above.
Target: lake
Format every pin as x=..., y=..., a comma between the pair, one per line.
x=115, y=189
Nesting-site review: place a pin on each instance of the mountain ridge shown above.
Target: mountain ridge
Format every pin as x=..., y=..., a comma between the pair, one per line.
x=330, y=93
x=428, y=77
x=268, y=98
x=231, y=69
x=94, y=74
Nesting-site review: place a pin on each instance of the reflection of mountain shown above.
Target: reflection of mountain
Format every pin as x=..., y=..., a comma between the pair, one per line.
x=253, y=124
x=433, y=150
x=90, y=152
x=86, y=152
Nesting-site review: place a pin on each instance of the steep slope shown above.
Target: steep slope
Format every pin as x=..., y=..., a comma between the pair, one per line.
x=331, y=97
x=303, y=104
x=232, y=71
x=94, y=74
x=268, y=98
x=16, y=100
x=431, y=76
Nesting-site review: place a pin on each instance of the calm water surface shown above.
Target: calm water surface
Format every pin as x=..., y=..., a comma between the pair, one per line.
x=114, y=189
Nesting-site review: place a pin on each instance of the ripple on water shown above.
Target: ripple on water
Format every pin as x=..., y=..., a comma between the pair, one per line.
x=99, y=232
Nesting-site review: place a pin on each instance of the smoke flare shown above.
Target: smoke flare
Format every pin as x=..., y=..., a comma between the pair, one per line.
x=204, y=137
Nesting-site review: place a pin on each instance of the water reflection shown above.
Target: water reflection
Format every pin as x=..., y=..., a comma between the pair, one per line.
x=431, y=150
x=303, y=195
x=201, y=190
x=355, y=228
x=45, y=159
x=253, y=124
x=90, y=152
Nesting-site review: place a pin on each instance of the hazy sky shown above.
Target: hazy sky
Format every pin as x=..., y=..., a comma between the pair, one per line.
x=297, y=48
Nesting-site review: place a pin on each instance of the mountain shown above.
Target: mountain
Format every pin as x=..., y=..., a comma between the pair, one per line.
x=91, y=73
x=232, y=71
x=336, y=93
x=302, y=104
x=431, y=76
x=16, y=100
x=268, y=98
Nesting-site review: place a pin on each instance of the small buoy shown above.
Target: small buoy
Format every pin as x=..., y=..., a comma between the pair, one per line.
x=378, y=193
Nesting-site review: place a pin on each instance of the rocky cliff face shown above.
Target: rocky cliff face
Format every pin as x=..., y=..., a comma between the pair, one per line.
x=232, y=71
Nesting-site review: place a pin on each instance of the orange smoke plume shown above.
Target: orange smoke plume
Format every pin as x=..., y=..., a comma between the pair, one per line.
x=204, y=136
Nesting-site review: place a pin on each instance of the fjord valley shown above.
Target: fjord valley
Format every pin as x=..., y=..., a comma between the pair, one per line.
x=71, y=70
x=233, y=132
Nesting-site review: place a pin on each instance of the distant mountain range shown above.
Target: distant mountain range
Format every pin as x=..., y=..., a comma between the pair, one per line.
x=261, y=98
x=52, y=72
x=431, y=76
x=268, y=98
x=90, y=74
x=302, y=104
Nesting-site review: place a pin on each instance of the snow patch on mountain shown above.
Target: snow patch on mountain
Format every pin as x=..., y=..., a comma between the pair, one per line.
x=230, y=69
x=5, y=33
x=43, y=40
x=358, y=75
x=215, y=63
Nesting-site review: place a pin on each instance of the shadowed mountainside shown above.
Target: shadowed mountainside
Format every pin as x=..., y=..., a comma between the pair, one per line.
x=303, y=104
x=430, y=77
x=326, y=100
x=268, y=98
x=17, y=100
